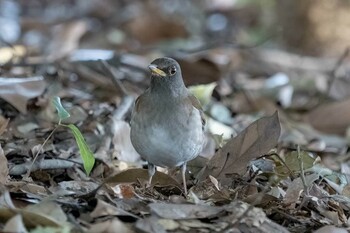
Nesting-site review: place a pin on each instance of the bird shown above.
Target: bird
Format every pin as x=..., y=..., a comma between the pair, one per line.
x=167, y=122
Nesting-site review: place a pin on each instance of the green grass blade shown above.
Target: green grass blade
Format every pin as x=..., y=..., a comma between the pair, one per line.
x=85, y=152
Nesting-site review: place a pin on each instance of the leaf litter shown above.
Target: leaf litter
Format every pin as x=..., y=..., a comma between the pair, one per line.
x=276, y=158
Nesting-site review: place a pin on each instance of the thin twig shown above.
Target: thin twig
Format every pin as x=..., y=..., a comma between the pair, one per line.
x=302, y=175
x=46, y=164
x=281, y=160
x=258, y=199
x=40, y=149
x=124, y=107
x=336, y=67
x=306, y=196
x=114, y=78
x=127, y=100
x=286, y=215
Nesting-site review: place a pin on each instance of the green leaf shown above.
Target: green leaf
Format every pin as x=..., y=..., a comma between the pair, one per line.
x=62, y=112
x=203, y=92
x=85, y=152
x=48, y=229
x=293, y=163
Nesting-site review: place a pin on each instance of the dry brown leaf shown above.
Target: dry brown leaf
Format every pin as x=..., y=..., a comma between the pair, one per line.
x=346, y=191
x=122, y=144
x=15, y=224
x=17, y=91
x=331, y=118
x=133, y=175
x=66, y=38
x=4, y=171
x=125, y=191
x=110, y=226
x=199, y=71
x=3, y=124
x=151, y=28
x=340, y=88
x=150, y=224
x=215, y=182
x=48, y=209
x=30, y=219
x=257, y=139
x=105, y=209
x=30, y=188
x=331, y=229
x=331, y=215
x=296, y=187
x=77, y=186
x=184, y=211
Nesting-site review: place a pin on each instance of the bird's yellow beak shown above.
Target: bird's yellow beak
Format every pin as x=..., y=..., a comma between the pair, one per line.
x=154, y=69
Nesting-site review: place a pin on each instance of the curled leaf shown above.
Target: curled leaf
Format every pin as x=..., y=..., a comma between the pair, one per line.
x=62, y=112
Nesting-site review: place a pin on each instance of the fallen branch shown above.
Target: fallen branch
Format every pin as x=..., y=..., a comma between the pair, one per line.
x=47, y=164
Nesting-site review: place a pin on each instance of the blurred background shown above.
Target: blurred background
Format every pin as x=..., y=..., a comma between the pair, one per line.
x=318, y=28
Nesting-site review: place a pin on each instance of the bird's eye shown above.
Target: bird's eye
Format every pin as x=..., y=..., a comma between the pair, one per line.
x=172, y=70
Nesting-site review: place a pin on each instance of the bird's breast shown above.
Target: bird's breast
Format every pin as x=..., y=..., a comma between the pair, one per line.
x=167, y=137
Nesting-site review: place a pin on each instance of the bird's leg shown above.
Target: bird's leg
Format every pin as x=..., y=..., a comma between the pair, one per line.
x=183, y=171
x=151, y=171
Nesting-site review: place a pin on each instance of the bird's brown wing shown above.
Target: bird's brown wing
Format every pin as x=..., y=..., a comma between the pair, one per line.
x=137, y=104
x=141, y=104
x=195, y=102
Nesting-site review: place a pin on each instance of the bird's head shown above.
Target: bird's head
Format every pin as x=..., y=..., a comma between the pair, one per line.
x=166, y=76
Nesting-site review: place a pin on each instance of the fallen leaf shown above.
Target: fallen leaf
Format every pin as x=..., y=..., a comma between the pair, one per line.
x=296, y=187
x=199, y=70
x=30, y=188
x=203, y=92
x=331, y=229
x=61, y=229
x=293, y=163
x=66, y=37
x=4, y=171
x=184, y=211
x=27, y=127
x=124, y=191
x=215, y=182
x=30, y=219
x=150, y=224
x=346, y=191
x=17, y=91
x=9, y=54
x=256, y=140
x=91, y=55
x=340, y=88
x=122, y=143
x=330, y=118
x=15, y=224
x=169, y=224
x=110, y=226
x=49, y=209
x=78, y=187
x=133, y=175
x=152, y=28
x=3, y=124
x=331, y=215
x=105, y=209
x=6, y=200
x=217, y=128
